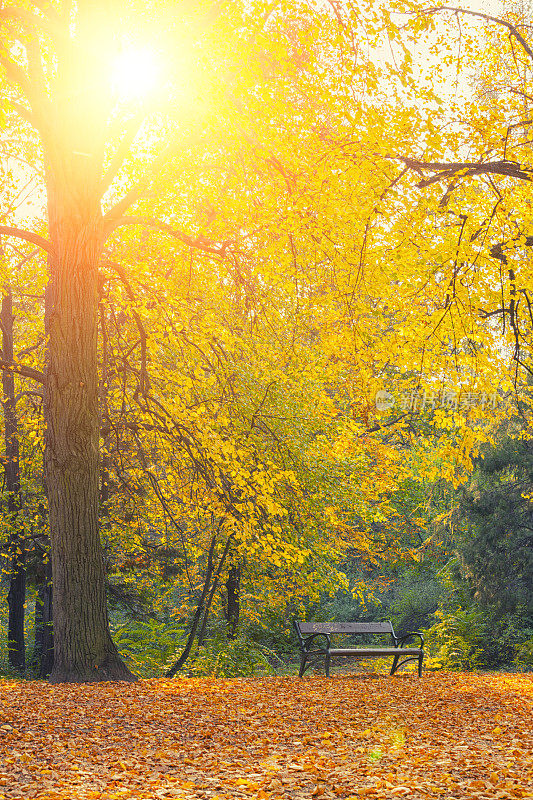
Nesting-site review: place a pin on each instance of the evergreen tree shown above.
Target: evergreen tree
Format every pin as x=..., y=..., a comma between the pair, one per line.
x=496, y=546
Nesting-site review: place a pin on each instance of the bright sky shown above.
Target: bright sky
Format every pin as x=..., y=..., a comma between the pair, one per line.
x=131, y=72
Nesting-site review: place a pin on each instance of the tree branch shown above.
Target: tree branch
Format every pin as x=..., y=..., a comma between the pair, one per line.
x=130, y=131
x=23, y=371
x=200, y=242
x=138, y=190
x=23, y=112
x=144, y=379
x=28, y=393
x=198, y=613
x=443, y=170
x=47, y=9
x=31, y=348
x=35, y=64
x=15, y=74
x=28, y=236
x=23, y=17
x=514, y=32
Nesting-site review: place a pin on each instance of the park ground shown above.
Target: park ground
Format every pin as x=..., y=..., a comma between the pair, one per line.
x=446, y=735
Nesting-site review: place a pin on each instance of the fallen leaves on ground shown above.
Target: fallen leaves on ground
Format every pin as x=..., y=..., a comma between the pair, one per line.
x=444, y=735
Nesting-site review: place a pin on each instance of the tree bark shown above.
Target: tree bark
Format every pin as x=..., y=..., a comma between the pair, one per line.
x=16, y=597
x=69, y=102
x=83, y=649
x=73, y=144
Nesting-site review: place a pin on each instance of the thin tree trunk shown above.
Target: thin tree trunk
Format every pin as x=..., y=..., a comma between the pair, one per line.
x=201, y=635
x=233, y=585
x=16, y=598
x=212, y=578
x=203, y=629
x=44, y=634
x=197, y=615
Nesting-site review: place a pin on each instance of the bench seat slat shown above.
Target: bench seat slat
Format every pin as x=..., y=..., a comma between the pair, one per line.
x=375, y=651
x=345, y=627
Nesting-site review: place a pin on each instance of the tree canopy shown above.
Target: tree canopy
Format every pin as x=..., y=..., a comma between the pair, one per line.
x=247, y=224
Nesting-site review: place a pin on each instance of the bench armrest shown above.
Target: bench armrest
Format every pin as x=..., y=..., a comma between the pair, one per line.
x=308, y=641
x=400, y=640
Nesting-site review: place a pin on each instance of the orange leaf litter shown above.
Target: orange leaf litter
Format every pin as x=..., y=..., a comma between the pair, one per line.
x=446, y=735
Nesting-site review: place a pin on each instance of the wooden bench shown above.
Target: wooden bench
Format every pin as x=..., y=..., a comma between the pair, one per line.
x=312, y=650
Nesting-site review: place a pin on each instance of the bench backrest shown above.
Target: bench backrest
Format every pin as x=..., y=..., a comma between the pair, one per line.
x=306, y=628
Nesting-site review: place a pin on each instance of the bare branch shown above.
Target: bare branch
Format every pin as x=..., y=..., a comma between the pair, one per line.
x=26, y=259
x=28, y=393
x=23, y=371
x=445, y=170
x=199, y=243
x=144, y=379
x=28, y=236
x=253, y=420
x=31, y=348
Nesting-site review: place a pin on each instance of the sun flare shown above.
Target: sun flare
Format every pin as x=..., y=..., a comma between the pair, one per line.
x=135, y=73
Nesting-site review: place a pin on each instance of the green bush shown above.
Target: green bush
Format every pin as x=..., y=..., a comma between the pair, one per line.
x=147, y=646
x=220, y=657
x=473, y=638
x=523, y=659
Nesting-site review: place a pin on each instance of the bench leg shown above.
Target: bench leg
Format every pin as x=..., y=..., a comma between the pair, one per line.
x=395, y=664
x=303, y=659
x=420, y=666
x=327, y=660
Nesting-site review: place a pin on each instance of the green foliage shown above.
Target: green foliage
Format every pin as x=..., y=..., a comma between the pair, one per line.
x=274, y=634
x=474, y=638
x=523, y=659
x=415, y=600
x=147, y=646
x=485, y=613
x=344, y=607
x=496, y=545
x=240, y=657
x=409, y=598
x=150, y=647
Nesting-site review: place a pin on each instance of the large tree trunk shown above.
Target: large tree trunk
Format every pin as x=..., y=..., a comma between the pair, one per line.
x=16, y=598
x=83, y=649
x=74, y=143
x=68, y=100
